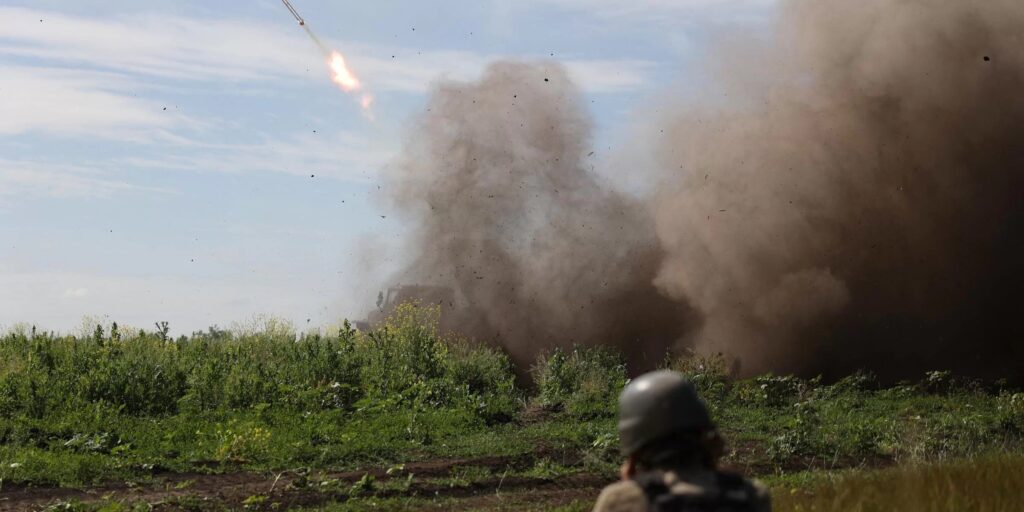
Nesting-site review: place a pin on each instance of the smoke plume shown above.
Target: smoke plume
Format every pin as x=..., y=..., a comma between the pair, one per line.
x=540, y=252
x=846, y=193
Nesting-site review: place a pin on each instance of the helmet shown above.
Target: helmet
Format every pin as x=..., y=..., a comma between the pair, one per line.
x=655, y=405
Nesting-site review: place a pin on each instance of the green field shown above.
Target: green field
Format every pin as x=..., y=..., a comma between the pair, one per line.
x=401, y=417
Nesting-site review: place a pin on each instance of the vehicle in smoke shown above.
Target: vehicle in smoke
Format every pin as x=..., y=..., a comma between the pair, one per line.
x=443, y=296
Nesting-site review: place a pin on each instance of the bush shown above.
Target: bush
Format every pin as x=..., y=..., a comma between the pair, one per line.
x=801, y=437
x=858, y=382
x=488, y=379
x=1010, y=410
x=404, y=359
x=585, y=382
x=774, y=391
x=403, y=364
x=709, y=374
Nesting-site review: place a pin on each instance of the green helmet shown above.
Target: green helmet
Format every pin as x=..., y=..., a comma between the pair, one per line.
x=655, y=405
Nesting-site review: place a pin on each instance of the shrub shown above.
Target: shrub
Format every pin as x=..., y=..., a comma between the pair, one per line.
x=801, y=437
x=857, y=382
x=488, y=379
x=709, y=374
x=1010, y=410
x=403, y=363
x=584, y=382
x=403, y=359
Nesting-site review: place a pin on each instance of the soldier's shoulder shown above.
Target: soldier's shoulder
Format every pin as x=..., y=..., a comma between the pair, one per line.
x=625, y=496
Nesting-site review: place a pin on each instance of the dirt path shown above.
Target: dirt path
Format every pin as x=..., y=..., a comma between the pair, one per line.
x=194, y=491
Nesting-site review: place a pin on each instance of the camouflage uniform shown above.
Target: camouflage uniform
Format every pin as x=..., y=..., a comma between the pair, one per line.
x=697, y=490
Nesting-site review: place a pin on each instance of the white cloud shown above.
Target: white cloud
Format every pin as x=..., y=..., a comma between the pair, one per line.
x=342, y=155
x=662, y=11
x=416, y=74
x=218, y=50
x=88, y=74
x=75, y=293
x=609, y=75
x=77, y=102
x=161, y=45
x=43, y=179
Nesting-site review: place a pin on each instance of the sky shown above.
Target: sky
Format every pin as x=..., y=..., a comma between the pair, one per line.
x=192, y=162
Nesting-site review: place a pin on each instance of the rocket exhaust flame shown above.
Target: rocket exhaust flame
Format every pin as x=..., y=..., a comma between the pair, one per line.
x=340, y=73
x=339, y=70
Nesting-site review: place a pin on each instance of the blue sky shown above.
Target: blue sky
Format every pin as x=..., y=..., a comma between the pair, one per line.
x=192, y=162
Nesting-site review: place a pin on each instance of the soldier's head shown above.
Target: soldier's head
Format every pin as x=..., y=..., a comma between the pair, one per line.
x=664, y=424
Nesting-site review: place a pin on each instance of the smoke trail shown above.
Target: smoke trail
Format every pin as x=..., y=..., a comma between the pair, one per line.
x=847, y=194
x=316, y=40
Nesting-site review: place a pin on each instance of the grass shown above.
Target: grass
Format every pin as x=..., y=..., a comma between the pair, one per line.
x=124, y=405
x=987, y=484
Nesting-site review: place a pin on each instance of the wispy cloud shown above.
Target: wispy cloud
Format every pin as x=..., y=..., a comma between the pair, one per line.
x=21, y=178
x=193, y=49
x=164, y=45
x=90, y=78
x=663, y=11
x=77, y=102
x=342, y=155
x=416, y=73
x=75, y=293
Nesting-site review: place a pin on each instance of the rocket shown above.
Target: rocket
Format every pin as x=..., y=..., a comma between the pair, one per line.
x=340, y=73
x=294, y=13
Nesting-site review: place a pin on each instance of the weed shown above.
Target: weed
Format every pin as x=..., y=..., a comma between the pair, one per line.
x=547, y=469
x=464, y=476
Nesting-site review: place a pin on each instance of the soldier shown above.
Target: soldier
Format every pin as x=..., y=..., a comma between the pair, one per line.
x=672, y=450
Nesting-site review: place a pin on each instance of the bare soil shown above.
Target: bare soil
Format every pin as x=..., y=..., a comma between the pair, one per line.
x=232, y=491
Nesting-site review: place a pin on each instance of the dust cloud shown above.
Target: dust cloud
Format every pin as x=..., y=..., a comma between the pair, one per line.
x=845, y=193
x=494, y=179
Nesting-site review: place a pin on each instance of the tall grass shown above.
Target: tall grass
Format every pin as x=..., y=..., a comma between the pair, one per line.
x=989, y=484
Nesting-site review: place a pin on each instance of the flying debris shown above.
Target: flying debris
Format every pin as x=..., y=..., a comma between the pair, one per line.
x=295, y=13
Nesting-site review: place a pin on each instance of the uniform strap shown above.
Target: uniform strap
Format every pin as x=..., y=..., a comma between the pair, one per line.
x=735, y=493
x=734, y=489
x=653, y=484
